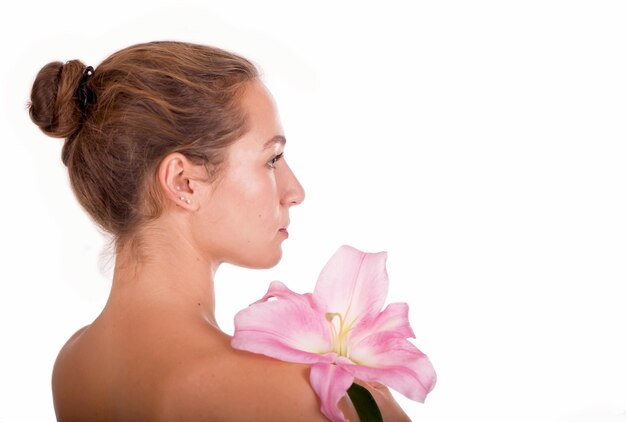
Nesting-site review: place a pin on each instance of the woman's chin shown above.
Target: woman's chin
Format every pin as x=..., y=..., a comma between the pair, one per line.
x=267, y=260
x=273, y=260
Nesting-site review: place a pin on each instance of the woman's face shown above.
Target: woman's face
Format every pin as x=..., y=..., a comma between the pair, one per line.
x=243, y=218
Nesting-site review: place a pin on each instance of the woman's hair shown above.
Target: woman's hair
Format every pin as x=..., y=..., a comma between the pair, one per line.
x=140, y=104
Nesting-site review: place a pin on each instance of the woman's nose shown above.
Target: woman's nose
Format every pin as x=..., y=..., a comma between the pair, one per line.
x=293, y=193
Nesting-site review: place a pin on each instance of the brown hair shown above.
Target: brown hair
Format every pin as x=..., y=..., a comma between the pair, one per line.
x=145, y=101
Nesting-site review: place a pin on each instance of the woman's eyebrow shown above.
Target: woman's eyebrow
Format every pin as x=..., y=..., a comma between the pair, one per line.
x=276, y=139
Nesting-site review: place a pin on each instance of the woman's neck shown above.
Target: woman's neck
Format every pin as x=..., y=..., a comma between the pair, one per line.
x=166, y=273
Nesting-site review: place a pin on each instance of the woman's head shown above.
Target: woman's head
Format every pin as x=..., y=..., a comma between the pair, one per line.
x=241, y=218
x=141, y=105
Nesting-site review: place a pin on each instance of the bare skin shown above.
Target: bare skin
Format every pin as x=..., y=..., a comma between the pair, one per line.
x=156, y=351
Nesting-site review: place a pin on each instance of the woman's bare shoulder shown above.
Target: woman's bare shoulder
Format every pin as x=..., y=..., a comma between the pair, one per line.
x=195, y=378
x=237, y=385
x=71, y=378
x=67, y=354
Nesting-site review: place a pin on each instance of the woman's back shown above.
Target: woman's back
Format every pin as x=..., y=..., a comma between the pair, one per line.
x=142, y=365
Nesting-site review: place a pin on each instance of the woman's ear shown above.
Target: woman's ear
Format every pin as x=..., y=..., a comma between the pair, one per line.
x=182, y=181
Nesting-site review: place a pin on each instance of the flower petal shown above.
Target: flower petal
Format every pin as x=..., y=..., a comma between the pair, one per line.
x=399, y=378
x=353, y=283
x=395, y=318
x=330, y=383
x=289, y=328
x=279, y=291
x=393, y=361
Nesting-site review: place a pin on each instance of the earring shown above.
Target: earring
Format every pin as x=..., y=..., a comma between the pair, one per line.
x=182, y=198
x=178, y=187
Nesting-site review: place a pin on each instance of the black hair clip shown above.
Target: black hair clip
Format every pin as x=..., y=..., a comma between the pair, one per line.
x=84, y=94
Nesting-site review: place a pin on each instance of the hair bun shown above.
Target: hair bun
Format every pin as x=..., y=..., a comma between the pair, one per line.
x=53, y=105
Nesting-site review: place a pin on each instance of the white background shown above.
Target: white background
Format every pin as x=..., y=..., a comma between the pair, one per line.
x=482, y=144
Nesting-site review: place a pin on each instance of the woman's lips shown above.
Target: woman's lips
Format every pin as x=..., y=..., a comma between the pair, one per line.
x=284, y=230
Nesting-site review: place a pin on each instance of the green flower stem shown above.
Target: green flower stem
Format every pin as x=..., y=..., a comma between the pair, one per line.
x=364, y=403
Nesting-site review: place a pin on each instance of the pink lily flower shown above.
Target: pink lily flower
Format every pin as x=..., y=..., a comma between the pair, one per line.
x=340, y=330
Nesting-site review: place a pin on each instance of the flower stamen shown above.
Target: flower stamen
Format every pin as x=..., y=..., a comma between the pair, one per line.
x=340, y=339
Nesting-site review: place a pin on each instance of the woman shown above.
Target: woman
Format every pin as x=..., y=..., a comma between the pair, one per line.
x=176, y=150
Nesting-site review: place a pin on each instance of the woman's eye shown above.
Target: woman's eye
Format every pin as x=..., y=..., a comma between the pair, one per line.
x=272, y=163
